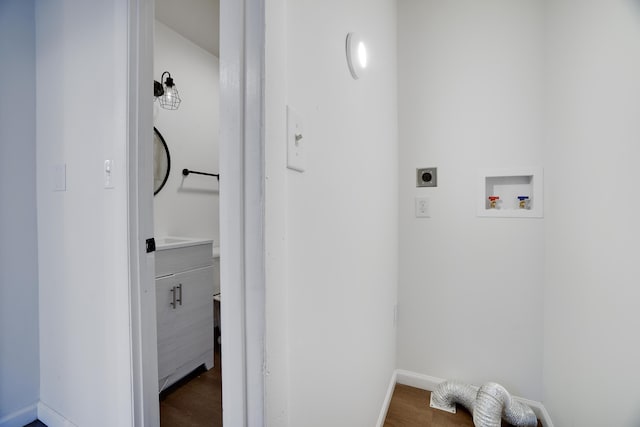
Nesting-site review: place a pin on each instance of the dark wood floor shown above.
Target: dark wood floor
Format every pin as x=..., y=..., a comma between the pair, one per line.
x=195, y=401
x=410, y=408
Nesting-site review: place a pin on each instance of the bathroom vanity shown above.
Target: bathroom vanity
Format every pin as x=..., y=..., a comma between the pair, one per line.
x=184, y=306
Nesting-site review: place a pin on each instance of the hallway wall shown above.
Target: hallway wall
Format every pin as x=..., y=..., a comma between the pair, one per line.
x=331, y=230
x=19, y=362
x=82, y=115
x=591, y=350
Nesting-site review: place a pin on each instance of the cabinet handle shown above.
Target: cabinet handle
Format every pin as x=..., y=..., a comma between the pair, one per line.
x=180, y=289
x=173, y=297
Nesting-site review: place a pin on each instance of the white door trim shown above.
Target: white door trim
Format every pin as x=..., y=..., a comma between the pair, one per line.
x=142, y=311
x=242, y=210
x=241, y=213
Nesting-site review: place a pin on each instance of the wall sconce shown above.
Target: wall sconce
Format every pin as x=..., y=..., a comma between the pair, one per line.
x=356, y=55
x=167, y=95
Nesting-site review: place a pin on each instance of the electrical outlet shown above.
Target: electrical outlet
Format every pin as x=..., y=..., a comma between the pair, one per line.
x=423, y=208
x=427, y=177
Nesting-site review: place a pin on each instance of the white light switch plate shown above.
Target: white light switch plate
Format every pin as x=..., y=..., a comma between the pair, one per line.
x=423, y=208
x=296, y=141
x=60, y=177
x=108, y=174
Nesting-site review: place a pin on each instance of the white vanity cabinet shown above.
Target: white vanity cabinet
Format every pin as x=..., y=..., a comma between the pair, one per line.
x=184, y=307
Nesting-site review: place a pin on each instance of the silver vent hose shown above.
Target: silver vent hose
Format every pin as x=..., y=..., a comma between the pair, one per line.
x=448, y=393
x=488, y=405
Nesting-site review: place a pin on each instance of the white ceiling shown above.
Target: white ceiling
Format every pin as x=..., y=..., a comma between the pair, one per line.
x=197, y=20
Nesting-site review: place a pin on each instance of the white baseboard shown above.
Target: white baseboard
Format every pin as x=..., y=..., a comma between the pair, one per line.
x=429, y=383
x=421, y=381
x=20, y=417
x=51, y=417
x=387, y=401
x=538, y=409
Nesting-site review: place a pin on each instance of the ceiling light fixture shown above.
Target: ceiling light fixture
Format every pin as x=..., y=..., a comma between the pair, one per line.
x=167, y=95
x=357, y=57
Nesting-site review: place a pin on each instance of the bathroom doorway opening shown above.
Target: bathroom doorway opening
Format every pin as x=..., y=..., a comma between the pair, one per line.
x=241, y=237
x=186, y=207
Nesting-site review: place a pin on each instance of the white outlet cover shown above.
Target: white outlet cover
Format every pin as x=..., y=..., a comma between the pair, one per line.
x=59, y=177
x=423, y=208
x=296, y=141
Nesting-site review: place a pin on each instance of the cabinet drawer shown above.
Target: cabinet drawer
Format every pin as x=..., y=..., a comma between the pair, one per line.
x=186, y=331
x=176, y=260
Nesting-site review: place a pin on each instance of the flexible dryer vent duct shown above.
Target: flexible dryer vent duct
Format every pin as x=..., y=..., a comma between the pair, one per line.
x=489, y=404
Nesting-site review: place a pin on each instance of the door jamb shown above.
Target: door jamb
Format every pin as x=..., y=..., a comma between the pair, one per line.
x=143, y=334
x=242, y=217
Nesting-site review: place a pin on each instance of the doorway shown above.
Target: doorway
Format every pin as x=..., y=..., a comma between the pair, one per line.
x=186, y=211
x=241, y=235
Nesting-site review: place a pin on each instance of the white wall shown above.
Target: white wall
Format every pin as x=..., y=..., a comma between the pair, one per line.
x=470, y=96
x=591, y=314
x=197, y=20
x=85, y=366
x=188, y=206
x=340, y=215
x=19, y=366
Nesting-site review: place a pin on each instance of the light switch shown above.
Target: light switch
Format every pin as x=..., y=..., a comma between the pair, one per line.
x=423, y=208
x=296, y=141
x=108, y=174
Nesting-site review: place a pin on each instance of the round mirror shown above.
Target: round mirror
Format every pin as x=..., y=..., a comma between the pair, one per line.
x=161, y=162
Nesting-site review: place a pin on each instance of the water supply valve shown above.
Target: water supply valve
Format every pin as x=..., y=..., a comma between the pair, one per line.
x=523, y=202
x=493, y=202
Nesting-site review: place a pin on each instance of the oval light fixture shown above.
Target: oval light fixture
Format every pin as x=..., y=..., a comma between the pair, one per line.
x=356, y=55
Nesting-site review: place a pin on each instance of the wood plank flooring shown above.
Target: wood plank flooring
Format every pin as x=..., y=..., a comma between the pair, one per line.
x=410, y=408
x=195, y=401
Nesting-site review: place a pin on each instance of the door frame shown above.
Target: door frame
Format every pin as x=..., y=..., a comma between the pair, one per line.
x=242, y=266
